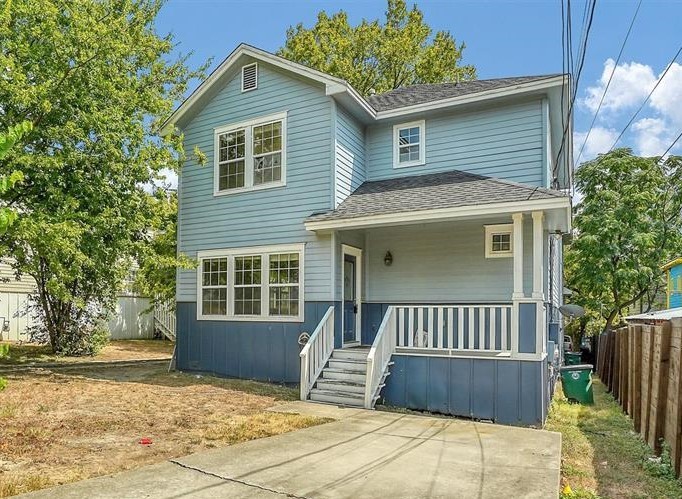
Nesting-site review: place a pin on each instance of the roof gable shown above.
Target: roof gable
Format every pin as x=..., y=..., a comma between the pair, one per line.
x=402, y=101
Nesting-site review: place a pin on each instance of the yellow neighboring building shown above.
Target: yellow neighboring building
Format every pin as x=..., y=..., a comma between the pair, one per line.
x=673, y=272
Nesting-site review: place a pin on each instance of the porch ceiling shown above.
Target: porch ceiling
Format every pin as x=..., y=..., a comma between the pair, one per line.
x=440, y=197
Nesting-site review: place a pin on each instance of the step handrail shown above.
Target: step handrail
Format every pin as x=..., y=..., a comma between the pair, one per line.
x=379, y=356
x=317, y=352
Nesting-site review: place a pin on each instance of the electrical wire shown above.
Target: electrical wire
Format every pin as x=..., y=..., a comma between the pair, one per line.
x=647, y=98
x=608, y=83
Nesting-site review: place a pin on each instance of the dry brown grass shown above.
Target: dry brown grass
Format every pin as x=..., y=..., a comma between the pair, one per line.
x=63, y=427
x=118, y=350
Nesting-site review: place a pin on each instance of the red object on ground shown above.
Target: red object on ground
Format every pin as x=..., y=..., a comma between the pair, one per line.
x=146, y=441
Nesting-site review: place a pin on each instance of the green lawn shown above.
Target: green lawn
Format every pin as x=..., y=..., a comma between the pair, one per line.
x=602, y=456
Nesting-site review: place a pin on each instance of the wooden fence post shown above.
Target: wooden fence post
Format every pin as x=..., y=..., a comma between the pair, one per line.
x=659, y=384
x=635, y=402
x=615, y=377
x=625, y=369
x=647, y=345
x=673, y=419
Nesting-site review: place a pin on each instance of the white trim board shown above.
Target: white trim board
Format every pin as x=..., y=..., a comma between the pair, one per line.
x=443, y=214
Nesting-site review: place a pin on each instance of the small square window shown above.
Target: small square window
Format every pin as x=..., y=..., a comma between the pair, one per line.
x=499, y=241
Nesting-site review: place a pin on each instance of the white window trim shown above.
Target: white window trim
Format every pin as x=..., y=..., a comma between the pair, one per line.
x=264, y=252
x=248, y=66
x=248, y=154
x=491, y=230
x=422, y=144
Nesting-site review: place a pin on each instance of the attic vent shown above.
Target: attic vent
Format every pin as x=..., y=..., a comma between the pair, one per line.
x=250, y=77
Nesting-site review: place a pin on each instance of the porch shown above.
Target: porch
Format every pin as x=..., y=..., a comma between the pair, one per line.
x=450, y=303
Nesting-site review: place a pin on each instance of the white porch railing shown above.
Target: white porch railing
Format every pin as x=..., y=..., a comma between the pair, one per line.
x=480, y=328
x=380, y=355
x=164, y=319
x=316, y=352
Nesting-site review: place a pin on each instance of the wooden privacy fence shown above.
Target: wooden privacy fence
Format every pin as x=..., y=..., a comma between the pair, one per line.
x=641, y=365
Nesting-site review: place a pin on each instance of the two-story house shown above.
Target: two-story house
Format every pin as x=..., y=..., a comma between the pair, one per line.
x=403, y=247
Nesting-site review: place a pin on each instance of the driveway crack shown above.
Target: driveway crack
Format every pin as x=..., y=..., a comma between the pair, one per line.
x=235, y=480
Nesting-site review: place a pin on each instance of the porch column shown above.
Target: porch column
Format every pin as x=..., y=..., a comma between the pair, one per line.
x=518, y=255
x=518, y=281
x=538, y=247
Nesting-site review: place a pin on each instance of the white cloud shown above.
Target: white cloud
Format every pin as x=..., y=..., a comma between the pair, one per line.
x=658, y=123
x=666, y=97
x=599, y=141
x=652, y=136
x=171, y=177
x=630, y=84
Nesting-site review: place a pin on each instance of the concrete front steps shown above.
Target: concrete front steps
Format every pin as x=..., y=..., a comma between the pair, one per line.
x=343, y=379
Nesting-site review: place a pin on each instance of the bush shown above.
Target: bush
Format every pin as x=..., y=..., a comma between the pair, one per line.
x=85, y=336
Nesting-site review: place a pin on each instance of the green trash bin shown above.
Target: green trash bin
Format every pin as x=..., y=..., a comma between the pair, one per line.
x=576, y=381
x=572, y=358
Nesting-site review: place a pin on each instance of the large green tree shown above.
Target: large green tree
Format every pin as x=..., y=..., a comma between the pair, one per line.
x=95, y=80
x=628, y=223
x=375, y=56
x=159, y=260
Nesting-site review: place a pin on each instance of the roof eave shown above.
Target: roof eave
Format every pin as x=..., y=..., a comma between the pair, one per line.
x=562, y=222
x=521, y=88
x=672, y=263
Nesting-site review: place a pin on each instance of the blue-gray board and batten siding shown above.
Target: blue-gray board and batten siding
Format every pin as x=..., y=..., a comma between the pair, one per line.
x=264, y=351
x=504, y=391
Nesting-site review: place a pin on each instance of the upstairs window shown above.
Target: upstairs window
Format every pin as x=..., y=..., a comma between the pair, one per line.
x=250, y=155
x=499, y=241
x=250, y=77
x=409, y=144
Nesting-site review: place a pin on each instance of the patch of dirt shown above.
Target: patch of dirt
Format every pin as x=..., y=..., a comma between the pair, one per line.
x=119, y=350
x=58, y=427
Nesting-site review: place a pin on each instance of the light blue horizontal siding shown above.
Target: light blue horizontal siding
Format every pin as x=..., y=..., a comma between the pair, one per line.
x=443, y=262
x=268, y=216
x=350, y=155
x=504, y=142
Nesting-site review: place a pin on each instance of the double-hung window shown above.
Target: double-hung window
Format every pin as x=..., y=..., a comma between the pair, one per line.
x=214, y=286
x=409, y=144
x=250, y=155
x=261, y=283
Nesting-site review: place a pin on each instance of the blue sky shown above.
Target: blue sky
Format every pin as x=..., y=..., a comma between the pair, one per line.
x=503, y=38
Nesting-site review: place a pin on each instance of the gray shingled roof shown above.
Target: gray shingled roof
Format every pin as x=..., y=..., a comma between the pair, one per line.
x=419, y=94
x=427, y=192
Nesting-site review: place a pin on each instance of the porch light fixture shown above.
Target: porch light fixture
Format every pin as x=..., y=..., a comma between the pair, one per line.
x=388, y=259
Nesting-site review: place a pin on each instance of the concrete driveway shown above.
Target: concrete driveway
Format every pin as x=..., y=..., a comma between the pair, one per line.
x=362, y=454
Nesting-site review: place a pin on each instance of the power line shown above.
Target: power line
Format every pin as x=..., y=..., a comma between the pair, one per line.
x=606, y=89
x=647, y=98
x=574, y=91
x=671, y=146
